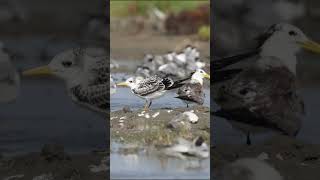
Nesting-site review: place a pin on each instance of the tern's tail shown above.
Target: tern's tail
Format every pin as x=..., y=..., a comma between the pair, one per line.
x=227, y=61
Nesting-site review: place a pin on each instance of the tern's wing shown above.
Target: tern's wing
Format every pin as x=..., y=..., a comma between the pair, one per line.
x=262, y=97
x=96, y=70
x=222, y=63
x=149, y=86
x=93, y=97
x=191, y=92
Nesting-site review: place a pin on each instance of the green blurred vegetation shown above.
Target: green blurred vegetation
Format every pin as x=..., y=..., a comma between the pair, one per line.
x=123, y=8
x=204, y=33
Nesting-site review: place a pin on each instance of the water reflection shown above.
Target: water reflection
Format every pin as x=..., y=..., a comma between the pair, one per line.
x=150, y=165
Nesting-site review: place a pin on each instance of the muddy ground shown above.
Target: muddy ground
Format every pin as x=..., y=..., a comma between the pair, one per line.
x=156, y=127
x=294, y=159
x=54, y=165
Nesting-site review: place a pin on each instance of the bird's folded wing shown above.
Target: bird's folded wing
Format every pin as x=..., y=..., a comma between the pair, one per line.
x=94, y=97
x=98, y=72
x=267, y=96
x=192, y=92
x=224, y=62
x=149, y=86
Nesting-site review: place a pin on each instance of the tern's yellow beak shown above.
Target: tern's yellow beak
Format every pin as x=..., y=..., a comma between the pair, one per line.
x=123, y=84
x=39, y=71
x=311, y=46
x=206, y=76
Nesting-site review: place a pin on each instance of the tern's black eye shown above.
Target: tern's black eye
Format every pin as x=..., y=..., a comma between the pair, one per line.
x=66, y=63
x=292, y=33
x=130, y=81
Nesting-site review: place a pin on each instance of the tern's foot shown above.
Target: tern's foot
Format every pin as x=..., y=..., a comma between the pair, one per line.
x=146, y=109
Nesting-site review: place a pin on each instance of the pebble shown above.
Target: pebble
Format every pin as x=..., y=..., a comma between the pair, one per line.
x=155, y=114
x=147, y=116
x=114, y=117
x=126, y=109
x=192, y=117
x=124, y=117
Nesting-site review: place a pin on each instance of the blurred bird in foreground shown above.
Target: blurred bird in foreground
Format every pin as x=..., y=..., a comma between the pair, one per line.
x=264, y=95
x=85, y=76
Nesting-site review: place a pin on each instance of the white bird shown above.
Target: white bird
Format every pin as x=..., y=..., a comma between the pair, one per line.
x=85, y=76
x=150, y=88
x=265, y=94
x=192, y=92
x=172, y=64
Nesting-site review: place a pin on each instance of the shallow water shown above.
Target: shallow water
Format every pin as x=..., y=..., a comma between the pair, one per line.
x=150, y=166
x=43, y=113
x=223, y=132
x=123, y=97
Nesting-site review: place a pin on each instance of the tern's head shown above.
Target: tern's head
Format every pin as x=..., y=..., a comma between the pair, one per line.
x=66, y=65
x=199, y=75
x=286, y=39
x=130, y=82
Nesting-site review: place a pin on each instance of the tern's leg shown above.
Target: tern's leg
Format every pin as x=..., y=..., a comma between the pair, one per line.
x=150, y=102
x=248, y=139
x=147, y=105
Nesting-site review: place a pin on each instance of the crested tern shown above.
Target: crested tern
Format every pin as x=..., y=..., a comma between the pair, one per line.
x=264, y=95
x=85, y=76
x=151, y=88
x=192, y=92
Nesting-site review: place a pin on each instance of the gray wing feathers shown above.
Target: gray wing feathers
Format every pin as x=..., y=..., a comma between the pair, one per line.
x=270, y=95
x=149, y=86
x=191, y=92
x=94, y=97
